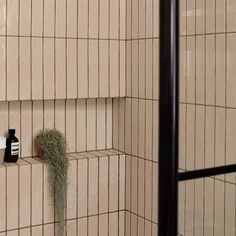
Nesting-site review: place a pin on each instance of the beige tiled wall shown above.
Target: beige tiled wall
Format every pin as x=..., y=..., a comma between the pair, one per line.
x=95, y=196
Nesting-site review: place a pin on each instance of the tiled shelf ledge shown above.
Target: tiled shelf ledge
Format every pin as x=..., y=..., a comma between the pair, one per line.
x=96, y=185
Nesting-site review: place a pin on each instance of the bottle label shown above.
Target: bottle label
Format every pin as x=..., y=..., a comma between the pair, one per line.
x=15, y=149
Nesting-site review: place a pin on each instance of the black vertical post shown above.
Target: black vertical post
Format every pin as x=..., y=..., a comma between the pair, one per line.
x=168, y=118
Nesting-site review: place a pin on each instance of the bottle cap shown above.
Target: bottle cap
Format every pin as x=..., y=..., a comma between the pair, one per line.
x=12, y=131
x=2, y=142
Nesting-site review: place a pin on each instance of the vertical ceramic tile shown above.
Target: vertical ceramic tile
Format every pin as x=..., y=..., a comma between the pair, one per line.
x=83, y=187
x=210, y=16
x=83, y=18
x=48, y=230
x=121, y=223
x=199, y=207
x=115, y=123
x=82, y=68
x=141, y=18
x=26, y=129
x=128, y=19
x=14, y=117
x=101, y=124
x=220, y=138
x=182, y=69
x=103, y=184
x=93, y=68
x=200, y=69
x=83, y=226
x=148, y=228
x=91, y=124
x=182, y=136
x=122, y=178
x=128, y=180
x=12, y=196
x=121, y=124
x=114, y=69
x=3, y=68
x=24, y=68
x=113, y=183
x=134, y=184
x=134, y=225
x=141, y=226
x=155, y=130
x=199, y=138
x=81, y=125
x=141, y=187
x=103, y=224
x=181, y=208
x=93, y=19
x=142, y=68
x=12, y=69
x=128, y=70
x=113, y=224
x=71, y=68
x=37, y=68
x=220, y=70
x=155, y=69
x=231, y=10
x=191, y=16
x=122, y=67
x=190, y=135
x=93, y=186
x=134, y=69
x=154, y=192
x=149, y=18
x=209, y=207
x=220, y=15
x=48, y=65
x=93, y=226
x=3, y=198
x=210, y=70
x=209, y=137
x=231, y=85
x=190, y=69
x=141, y=128
x=103, y=67
x=48, y=109
x=149, y=71
x=135, y=133
x=37, y=17
x=104, y=19
x=230, y=210
x=219, y=200
x=109, y=124
x=37, y=231
x=148, y=190
x=24, y=232
x=189, y=226
x=71, y=228
x=182, y=17
x=70, y=125
x=72, y=191
x=60, y=111
x=128, y=130
x=48, y=210
x=122, y=19
x=3, y=4
x=3, y=118
x=114, y=19
x=25, y=17
x=13, y=233
x=60, y=18
x=72, y=12
x=37, y=193
x=156, y=16
x=49, y=17
x=60, y=72
x=12, y=17
x=37, y=119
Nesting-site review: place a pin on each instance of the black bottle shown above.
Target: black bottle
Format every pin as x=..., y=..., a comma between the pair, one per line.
x=12, y=149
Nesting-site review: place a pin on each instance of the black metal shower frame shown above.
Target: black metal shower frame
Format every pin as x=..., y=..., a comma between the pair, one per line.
x=169, y=175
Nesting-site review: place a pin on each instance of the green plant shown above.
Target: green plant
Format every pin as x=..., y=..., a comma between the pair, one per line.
x=51, y=146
